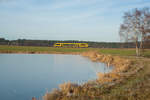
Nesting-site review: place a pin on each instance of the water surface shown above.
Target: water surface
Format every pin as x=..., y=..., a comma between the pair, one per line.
x=23, y=76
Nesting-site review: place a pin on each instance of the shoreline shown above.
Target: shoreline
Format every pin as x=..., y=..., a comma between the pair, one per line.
x=120, y=64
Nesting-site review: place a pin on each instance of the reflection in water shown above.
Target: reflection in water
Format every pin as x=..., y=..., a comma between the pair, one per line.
x=23, y=76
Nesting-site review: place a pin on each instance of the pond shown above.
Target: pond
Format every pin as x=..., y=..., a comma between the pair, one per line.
x=23, y=76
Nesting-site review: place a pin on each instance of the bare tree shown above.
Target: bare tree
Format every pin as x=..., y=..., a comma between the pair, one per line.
x=147, y=39
x=134, y=27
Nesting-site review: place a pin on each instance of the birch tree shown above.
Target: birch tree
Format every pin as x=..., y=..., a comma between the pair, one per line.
x=133, y=29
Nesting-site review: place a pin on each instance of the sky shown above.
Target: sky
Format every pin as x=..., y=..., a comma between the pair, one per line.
x=88, y=20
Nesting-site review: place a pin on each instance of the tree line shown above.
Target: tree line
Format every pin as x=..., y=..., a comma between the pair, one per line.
x=50, y=43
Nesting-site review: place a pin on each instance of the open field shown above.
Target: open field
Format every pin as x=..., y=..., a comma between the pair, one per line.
x=30, y=49
x=134, y=84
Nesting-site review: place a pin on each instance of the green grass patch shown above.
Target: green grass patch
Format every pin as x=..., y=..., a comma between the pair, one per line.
x=15, y=49
x=32, y=49
x=120, y=52
x=124, y=52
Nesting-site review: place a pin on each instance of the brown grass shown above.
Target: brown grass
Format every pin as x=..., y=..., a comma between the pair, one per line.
x=95, y=89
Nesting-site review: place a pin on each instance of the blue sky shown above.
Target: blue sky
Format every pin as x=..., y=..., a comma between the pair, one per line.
x=91, y=20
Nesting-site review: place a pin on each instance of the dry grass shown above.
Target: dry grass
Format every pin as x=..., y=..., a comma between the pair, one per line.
x=132, y=86
x=132, y=82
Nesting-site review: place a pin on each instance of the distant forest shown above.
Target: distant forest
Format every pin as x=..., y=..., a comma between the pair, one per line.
x=50, y=43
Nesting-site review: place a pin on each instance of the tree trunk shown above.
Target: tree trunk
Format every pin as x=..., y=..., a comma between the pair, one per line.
x=141, y=47
x=137, y=49
x=141, y=44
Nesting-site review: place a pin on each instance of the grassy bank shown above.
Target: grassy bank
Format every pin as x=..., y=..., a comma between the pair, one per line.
x=130, y=83
x=135, y=87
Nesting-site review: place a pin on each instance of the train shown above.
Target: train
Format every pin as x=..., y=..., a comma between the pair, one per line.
x=72, y=45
